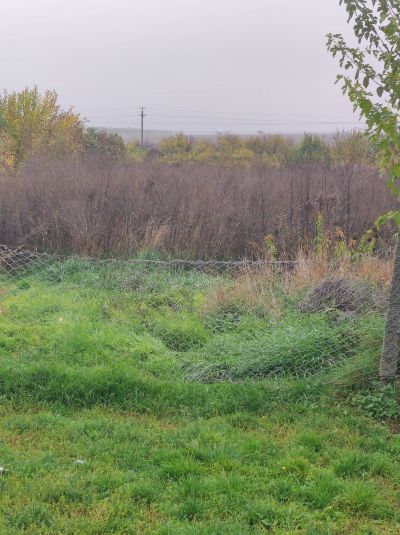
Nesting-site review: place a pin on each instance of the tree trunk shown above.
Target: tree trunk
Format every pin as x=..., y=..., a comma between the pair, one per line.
x=391, y=345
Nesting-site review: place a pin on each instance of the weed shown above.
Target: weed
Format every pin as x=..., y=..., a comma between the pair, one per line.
x=379, y=401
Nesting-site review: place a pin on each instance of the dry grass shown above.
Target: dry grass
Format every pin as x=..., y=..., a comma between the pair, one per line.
x=253, y=287
x=264, y=287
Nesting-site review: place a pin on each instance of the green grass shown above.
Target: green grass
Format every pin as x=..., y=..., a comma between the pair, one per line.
x=126, y=409
x=99, y=471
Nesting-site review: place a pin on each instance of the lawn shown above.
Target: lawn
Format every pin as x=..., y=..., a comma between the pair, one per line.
x=162, y=401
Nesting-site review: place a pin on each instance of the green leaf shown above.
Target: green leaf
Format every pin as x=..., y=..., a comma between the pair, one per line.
x=387, y=218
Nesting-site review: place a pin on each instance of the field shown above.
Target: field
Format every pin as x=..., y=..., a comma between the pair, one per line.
x=155, y=398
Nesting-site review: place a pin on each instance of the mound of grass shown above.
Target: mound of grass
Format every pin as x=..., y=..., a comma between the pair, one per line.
x=346, y=294
x=297, y=347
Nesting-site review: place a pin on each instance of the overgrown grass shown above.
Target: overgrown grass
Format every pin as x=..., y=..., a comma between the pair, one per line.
x=143, y=337
x=130, y=405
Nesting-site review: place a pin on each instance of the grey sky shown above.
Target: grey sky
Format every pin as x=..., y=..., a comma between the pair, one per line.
x=197, y=65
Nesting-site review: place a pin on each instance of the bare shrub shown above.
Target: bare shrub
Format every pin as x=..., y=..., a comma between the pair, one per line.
x=97, y=206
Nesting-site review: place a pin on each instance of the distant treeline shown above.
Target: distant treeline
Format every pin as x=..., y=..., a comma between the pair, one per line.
x=33, y=124
x=67, y=188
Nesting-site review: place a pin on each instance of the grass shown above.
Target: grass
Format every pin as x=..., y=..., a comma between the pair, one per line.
x=102, y=471
x=135, y=402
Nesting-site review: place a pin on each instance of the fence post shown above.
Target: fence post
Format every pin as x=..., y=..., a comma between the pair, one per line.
x=391, y=345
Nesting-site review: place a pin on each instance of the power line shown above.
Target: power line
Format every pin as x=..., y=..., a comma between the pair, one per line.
x=211, y=124
x=220, y=131
x=196, y=118
x=131, y=111
x=220, y=115
x=128, y=122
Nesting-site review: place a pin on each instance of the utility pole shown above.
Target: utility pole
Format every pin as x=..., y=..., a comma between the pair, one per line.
x=142, y=116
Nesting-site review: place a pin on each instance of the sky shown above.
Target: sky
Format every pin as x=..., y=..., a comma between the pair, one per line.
x=198, y=66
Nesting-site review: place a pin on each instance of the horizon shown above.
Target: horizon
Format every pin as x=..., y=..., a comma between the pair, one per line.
x=153, y=136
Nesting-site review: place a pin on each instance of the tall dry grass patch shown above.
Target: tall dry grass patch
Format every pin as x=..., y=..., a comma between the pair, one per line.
x=252, y=287
x=266, y=287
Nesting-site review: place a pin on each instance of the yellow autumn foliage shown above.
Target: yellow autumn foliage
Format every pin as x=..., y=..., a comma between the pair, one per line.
x=34, y=122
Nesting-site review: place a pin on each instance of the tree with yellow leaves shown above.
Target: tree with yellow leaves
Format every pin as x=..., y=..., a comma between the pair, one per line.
x=7, y=154
x=31, y=123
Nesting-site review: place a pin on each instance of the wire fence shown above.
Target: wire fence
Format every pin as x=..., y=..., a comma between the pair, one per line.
x=203, y=321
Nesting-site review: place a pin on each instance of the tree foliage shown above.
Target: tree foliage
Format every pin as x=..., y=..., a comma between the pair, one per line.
x=352, y=149
x=176, y=149
x=31, y=123
x=344, y=148
x=103, y=143
x=7, y=155
x=312, y=149
x=371, y=74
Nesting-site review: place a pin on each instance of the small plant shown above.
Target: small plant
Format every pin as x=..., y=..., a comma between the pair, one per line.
x=270, y=247
x=381, y=401
x=341, y=248
x=366, y=244
x=322, y=239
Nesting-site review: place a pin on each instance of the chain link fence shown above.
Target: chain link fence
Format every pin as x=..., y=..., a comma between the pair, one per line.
x=208, y=321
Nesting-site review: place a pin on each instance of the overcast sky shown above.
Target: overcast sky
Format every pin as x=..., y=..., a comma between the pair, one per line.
x=196, y=65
